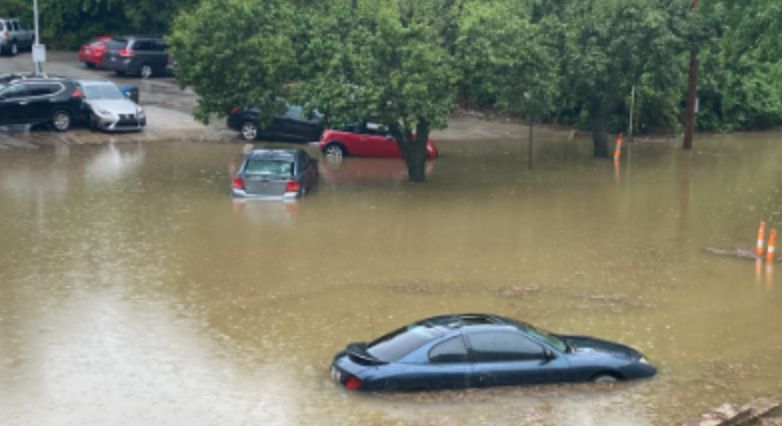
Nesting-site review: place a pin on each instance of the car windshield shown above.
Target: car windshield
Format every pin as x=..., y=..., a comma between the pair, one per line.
x=267, y=167
x=545, y=336
x=103, y=92
x=395, y=345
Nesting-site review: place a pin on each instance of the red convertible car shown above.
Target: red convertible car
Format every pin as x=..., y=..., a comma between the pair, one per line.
x=92, y=53
x=367, y=139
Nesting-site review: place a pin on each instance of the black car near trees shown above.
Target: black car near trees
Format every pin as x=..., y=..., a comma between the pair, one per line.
x=137, y=55
x=56, y=101
x=294, y=125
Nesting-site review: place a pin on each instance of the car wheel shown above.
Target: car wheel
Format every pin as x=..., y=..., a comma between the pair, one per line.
x=145, y=71
x=604, y=378
x=249, y=131
x=90, y=65
x=61, y=120
x=14, y=49
x=334, y=151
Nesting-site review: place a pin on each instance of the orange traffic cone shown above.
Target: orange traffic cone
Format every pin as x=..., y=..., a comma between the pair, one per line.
x=761, y=235
x=618, y=147
x=772, y=242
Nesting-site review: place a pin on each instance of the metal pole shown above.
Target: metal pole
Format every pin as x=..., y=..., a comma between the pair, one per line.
x=632, y=105
x=529, y=147
x=37, y=40
x=692, y=87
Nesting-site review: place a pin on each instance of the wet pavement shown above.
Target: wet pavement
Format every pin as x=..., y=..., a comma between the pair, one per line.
x=134, y=291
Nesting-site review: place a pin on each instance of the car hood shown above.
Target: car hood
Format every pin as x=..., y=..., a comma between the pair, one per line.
x=116, y=106
x=586, y=344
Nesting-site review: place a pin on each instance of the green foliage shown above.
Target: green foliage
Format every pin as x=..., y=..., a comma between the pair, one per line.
x=67, y=23
x=235, y=53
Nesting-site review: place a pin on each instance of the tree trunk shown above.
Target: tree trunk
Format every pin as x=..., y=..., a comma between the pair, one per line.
x=416, y=164
x=413, y=149
x=599, y=132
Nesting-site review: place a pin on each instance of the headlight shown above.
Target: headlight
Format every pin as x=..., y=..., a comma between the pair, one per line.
x=141, y=113
x=643, y=360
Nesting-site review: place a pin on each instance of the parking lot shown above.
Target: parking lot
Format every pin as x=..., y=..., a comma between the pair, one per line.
x=168, y=108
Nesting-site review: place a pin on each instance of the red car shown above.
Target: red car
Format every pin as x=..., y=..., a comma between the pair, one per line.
x=367, y=139
x=92, y=53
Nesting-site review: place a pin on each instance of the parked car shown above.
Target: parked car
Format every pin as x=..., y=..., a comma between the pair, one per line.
x=15, y=36
x=293, y=125
x=365, y=139
x=143, y=56
x=275, y=173
x=40, y=99
x=92, y=53
x=478, y=350
x=110, y=109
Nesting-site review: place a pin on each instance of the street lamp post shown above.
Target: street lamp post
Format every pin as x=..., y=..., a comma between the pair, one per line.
x=37, y=45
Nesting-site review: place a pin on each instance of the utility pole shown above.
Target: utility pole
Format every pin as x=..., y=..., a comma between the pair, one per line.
x=692, y=92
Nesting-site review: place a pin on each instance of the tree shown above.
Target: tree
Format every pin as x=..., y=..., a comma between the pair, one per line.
x=611, y=45
x=235, y=53
x=390, y=63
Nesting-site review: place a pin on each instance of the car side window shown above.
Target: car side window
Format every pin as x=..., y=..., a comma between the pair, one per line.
x=15, y=25
x=43, y=89
x=494, y=346
x=141, y=45
x=15, y=91
x=294, y=112
x=159, y=46
x=451, y=350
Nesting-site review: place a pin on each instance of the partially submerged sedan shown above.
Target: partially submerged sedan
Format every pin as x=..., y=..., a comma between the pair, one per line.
x=110, y=109
x=275, y=174
x=479, y=350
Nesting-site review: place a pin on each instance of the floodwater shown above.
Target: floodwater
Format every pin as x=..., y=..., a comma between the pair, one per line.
x=134, y=291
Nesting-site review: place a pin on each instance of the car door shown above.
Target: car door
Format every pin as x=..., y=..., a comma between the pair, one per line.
x=41, y=100
x=158, y=55
x=502, y=358
x=14, y=104
x=449, y=366
x=378, y=141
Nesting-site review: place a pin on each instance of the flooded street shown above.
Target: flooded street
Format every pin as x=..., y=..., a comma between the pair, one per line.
x=134, y=291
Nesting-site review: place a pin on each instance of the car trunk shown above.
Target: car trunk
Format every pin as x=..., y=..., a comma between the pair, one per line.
x=265, y=185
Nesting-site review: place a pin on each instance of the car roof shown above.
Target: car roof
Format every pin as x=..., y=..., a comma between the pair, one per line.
x=95, y=82
x=12, y=78
x=273, y=153
x=470, y=320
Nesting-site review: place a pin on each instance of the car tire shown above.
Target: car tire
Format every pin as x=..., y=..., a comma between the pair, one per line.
x=145, y=71
x=604, y=378
x=248, y=131
x=90, y=65
x=61, y=120
x=334, y=151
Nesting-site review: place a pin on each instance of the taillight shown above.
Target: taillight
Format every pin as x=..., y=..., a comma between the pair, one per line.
x=238, y=183
x=234, y=109
x=76, y=93
x=353, y=383
x=5, y=34
x=126, y=53
x=293, y=186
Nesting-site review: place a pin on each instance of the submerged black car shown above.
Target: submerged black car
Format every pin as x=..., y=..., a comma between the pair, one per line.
x=293, y=125
x=26, y=99
x=479, y=350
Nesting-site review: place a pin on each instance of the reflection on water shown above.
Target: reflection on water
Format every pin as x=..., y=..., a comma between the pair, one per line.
x=135, y=291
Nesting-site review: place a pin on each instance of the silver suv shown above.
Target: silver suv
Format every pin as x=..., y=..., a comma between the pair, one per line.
x=14, y=36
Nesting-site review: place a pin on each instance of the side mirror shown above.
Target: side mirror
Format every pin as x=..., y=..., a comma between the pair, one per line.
x=548, y=355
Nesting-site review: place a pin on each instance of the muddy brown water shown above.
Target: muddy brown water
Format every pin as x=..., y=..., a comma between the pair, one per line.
x=134, y=291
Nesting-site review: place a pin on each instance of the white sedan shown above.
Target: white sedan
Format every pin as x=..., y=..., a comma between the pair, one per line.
x=109, y=108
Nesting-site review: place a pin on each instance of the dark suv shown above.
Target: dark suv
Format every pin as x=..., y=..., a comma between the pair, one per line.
x=143, y=56
x=37, y=100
